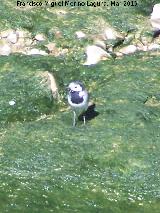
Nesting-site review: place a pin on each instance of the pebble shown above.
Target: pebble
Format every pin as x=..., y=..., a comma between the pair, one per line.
x=80, y=34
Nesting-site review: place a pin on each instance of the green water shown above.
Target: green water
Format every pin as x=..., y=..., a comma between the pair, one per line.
x=111, y=164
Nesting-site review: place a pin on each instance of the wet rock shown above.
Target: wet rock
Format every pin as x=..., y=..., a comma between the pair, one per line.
x=80, y=34
x=35, y=51
x=95, y=54
x=12, y=37
x=5, y=48
x=155, y=17
x=130, y=49
x=40, y=37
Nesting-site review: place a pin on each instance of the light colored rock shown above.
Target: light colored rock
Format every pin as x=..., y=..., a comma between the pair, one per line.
x=12, y=103
x=154, y=46
x=95, y=54
x=12, y=37
x=5, y=48
x=49, y=80
x=22, y=45
x=111, y=34
x=80, y=34
x=155, y=17
x=35, y=51
x=5, y=33
x=40, y=37
x=128, y=49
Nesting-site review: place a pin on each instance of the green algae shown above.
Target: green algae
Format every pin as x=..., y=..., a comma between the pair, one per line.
x=111, y=164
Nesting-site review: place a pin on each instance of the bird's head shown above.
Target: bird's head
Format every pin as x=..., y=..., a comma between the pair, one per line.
x=75, y=86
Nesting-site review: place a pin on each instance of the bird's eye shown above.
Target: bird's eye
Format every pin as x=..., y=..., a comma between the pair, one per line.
x=76, y=87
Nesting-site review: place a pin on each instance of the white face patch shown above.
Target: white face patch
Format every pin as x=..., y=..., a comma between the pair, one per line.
x=75, y=87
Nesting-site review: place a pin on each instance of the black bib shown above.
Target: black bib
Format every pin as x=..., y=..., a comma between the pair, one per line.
x=75, y=98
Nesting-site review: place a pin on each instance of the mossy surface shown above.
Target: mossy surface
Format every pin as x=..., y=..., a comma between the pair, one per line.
x=109, y=165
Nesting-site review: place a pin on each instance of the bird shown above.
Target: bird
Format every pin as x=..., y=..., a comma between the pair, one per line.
x=78, y=99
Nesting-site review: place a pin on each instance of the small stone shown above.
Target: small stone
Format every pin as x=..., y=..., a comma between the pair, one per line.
x=142, y=48
x=51, y=47
x=58, y=34
x=35, y=51
x=95, y=54
x=40, y=37
x=12, y=103
x=155, y=17
x=128, y=49
x=80, y=35
x=12, y=37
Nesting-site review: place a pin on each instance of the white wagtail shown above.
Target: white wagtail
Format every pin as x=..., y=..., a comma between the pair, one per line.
x=77, y=99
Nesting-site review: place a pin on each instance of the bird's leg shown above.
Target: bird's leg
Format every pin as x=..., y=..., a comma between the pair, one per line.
x=74, y=118
x=84, y=119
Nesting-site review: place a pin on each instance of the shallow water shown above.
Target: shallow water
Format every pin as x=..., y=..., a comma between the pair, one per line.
x=109, y=165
